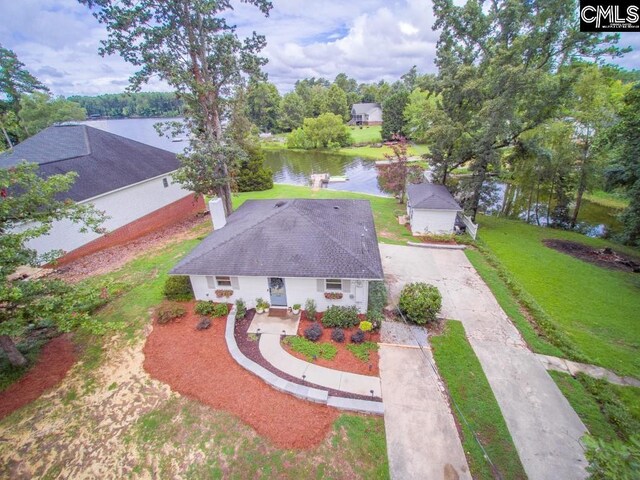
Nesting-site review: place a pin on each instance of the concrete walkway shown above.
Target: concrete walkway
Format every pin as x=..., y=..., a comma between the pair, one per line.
x=573, y=368
x=272, y=351
x=545, y=429
x=277, y=325
x=422, y=439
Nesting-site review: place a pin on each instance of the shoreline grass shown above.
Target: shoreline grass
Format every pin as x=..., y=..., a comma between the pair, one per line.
x=470, y=389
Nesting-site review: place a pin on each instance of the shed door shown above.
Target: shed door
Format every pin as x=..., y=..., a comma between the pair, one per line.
x=278, y=292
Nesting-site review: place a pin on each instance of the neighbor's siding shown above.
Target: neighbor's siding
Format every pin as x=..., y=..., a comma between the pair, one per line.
x=298, y=291
x=123, y=206
x=432, y=221
x=375, y=116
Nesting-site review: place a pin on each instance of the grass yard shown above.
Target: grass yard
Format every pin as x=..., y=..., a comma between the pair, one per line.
x=384, y=209
x=469, y=388
x=596, y=308
x=366, y=134
x=606, y=199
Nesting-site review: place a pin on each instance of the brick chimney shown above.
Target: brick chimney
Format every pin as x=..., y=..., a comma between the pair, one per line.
x=216, y=209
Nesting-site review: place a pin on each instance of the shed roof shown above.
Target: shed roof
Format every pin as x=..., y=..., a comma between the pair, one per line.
x=431, y=196
x=104, y=161
x=291, y=238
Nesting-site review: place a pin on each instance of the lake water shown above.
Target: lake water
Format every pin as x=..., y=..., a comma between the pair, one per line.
x=296, y=168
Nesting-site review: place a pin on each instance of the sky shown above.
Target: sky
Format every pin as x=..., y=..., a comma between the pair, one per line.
x=369, y=40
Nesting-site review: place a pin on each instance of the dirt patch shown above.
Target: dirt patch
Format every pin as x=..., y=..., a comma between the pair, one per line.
x=603, y=257
x=344, y=359
x=113, y=258
x=55, y=360
x=197, y=364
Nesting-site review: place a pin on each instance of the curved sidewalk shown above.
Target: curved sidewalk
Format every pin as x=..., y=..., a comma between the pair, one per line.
x=272, y=351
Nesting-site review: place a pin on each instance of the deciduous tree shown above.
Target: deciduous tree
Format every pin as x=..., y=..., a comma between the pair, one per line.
x=398, y=173
x=393, y=121
x=40, y=110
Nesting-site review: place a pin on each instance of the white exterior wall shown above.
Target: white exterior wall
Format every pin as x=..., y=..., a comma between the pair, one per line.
x=298, y=291
x=123, y=206
x=431, y=221
x=375, y=115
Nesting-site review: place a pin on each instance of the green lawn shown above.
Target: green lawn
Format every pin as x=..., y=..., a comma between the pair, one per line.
x=384, y=209
x=366, y=134
x=606, y=199
x=596, y=308
x=469, y=388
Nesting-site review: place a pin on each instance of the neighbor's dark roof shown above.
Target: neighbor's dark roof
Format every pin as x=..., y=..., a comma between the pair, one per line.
x=291, y=238
x=431, y=196
x=104, y=161
x=364, y=108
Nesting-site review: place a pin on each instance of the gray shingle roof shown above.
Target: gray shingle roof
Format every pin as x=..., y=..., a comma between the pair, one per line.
x=104, y=161
x=298, y=238
x=431, y=196
x=363, y=108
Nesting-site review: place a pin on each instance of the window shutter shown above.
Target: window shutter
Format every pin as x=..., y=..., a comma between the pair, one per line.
x=321, y=285
x=234, y=283
x=211, y=283
x=346, y=286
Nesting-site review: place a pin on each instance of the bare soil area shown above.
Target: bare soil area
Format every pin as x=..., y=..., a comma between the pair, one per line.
x=603, y=257
x=54, y=361
x=113, y=258
x=197, y=364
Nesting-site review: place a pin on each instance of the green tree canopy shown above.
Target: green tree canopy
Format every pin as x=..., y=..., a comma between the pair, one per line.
x=40, y=110
x=263, y=105
x=291, y=112
x=393, y=122
x=326, y=131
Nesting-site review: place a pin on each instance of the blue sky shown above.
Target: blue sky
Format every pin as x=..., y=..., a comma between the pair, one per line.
x=369, y=40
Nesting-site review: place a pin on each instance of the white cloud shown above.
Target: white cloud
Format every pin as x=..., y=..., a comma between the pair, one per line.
x=369, y=40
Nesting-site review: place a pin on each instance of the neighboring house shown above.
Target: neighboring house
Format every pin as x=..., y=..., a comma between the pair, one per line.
x=130, y=181
x=366, y=114
x=431, y=209
x=287, y=251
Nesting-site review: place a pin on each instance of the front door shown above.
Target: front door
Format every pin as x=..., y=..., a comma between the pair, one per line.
x=278, y=292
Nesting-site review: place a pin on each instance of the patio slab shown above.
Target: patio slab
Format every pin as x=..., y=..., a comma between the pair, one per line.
x=276, y=325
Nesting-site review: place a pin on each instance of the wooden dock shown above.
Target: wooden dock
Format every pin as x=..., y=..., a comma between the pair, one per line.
x=317, y=179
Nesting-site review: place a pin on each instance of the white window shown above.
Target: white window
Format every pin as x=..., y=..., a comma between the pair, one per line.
x=223, y=281
x=333, y=284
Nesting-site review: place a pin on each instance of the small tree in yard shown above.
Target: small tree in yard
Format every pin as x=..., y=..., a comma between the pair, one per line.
x=28, y=207
x=420, y=302
x=394, y=177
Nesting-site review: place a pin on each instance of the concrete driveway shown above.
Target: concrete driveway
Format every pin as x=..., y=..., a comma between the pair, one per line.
x=545, y=429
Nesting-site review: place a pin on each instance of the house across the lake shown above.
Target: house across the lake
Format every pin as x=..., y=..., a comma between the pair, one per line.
x=130, y=181
x=287, y=251
x=431, y=209
x=366, y=114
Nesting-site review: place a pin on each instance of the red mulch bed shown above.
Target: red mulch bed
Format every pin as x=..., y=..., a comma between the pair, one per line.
x=55, y=360
x=197, y=364
x=344, y=360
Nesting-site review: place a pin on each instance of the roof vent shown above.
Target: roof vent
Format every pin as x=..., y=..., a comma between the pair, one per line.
x=279, y=204
x=336, y=207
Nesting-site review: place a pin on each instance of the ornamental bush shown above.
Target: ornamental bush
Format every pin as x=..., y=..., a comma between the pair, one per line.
x=337, y=335
x=178, y=288
x=168, y=311
x=310, y=308
x=357, y=337
x=344, y=317
x=377, y=296
x=211, y=309
x=420, y=302
x=313, y=333
x=241, y=309
x=203, y=323
x=220, y=310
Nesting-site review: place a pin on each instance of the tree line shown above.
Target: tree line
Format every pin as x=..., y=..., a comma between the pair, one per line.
x=134, y=104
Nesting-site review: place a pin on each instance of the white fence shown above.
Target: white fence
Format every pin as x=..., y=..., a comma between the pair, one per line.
x=472, y=228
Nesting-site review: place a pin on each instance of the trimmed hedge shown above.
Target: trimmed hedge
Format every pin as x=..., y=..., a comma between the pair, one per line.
x=178, y=288
x=343, y=317
x=420, y=302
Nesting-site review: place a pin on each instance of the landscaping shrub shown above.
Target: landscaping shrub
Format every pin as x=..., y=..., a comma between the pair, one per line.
x=178, y=288
x=204, y=308
x=337, y=335
x=377, y=296
x=203, y=323
x=312, y=350
x=357, y=337
x=211, y=309
x=168, y=311
x=310, y=308
x=375, y=318
x=343, y=317
x=362, y=350
x=220, y=310
x=241, y=309
x=313, y=333
x=420, y=302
